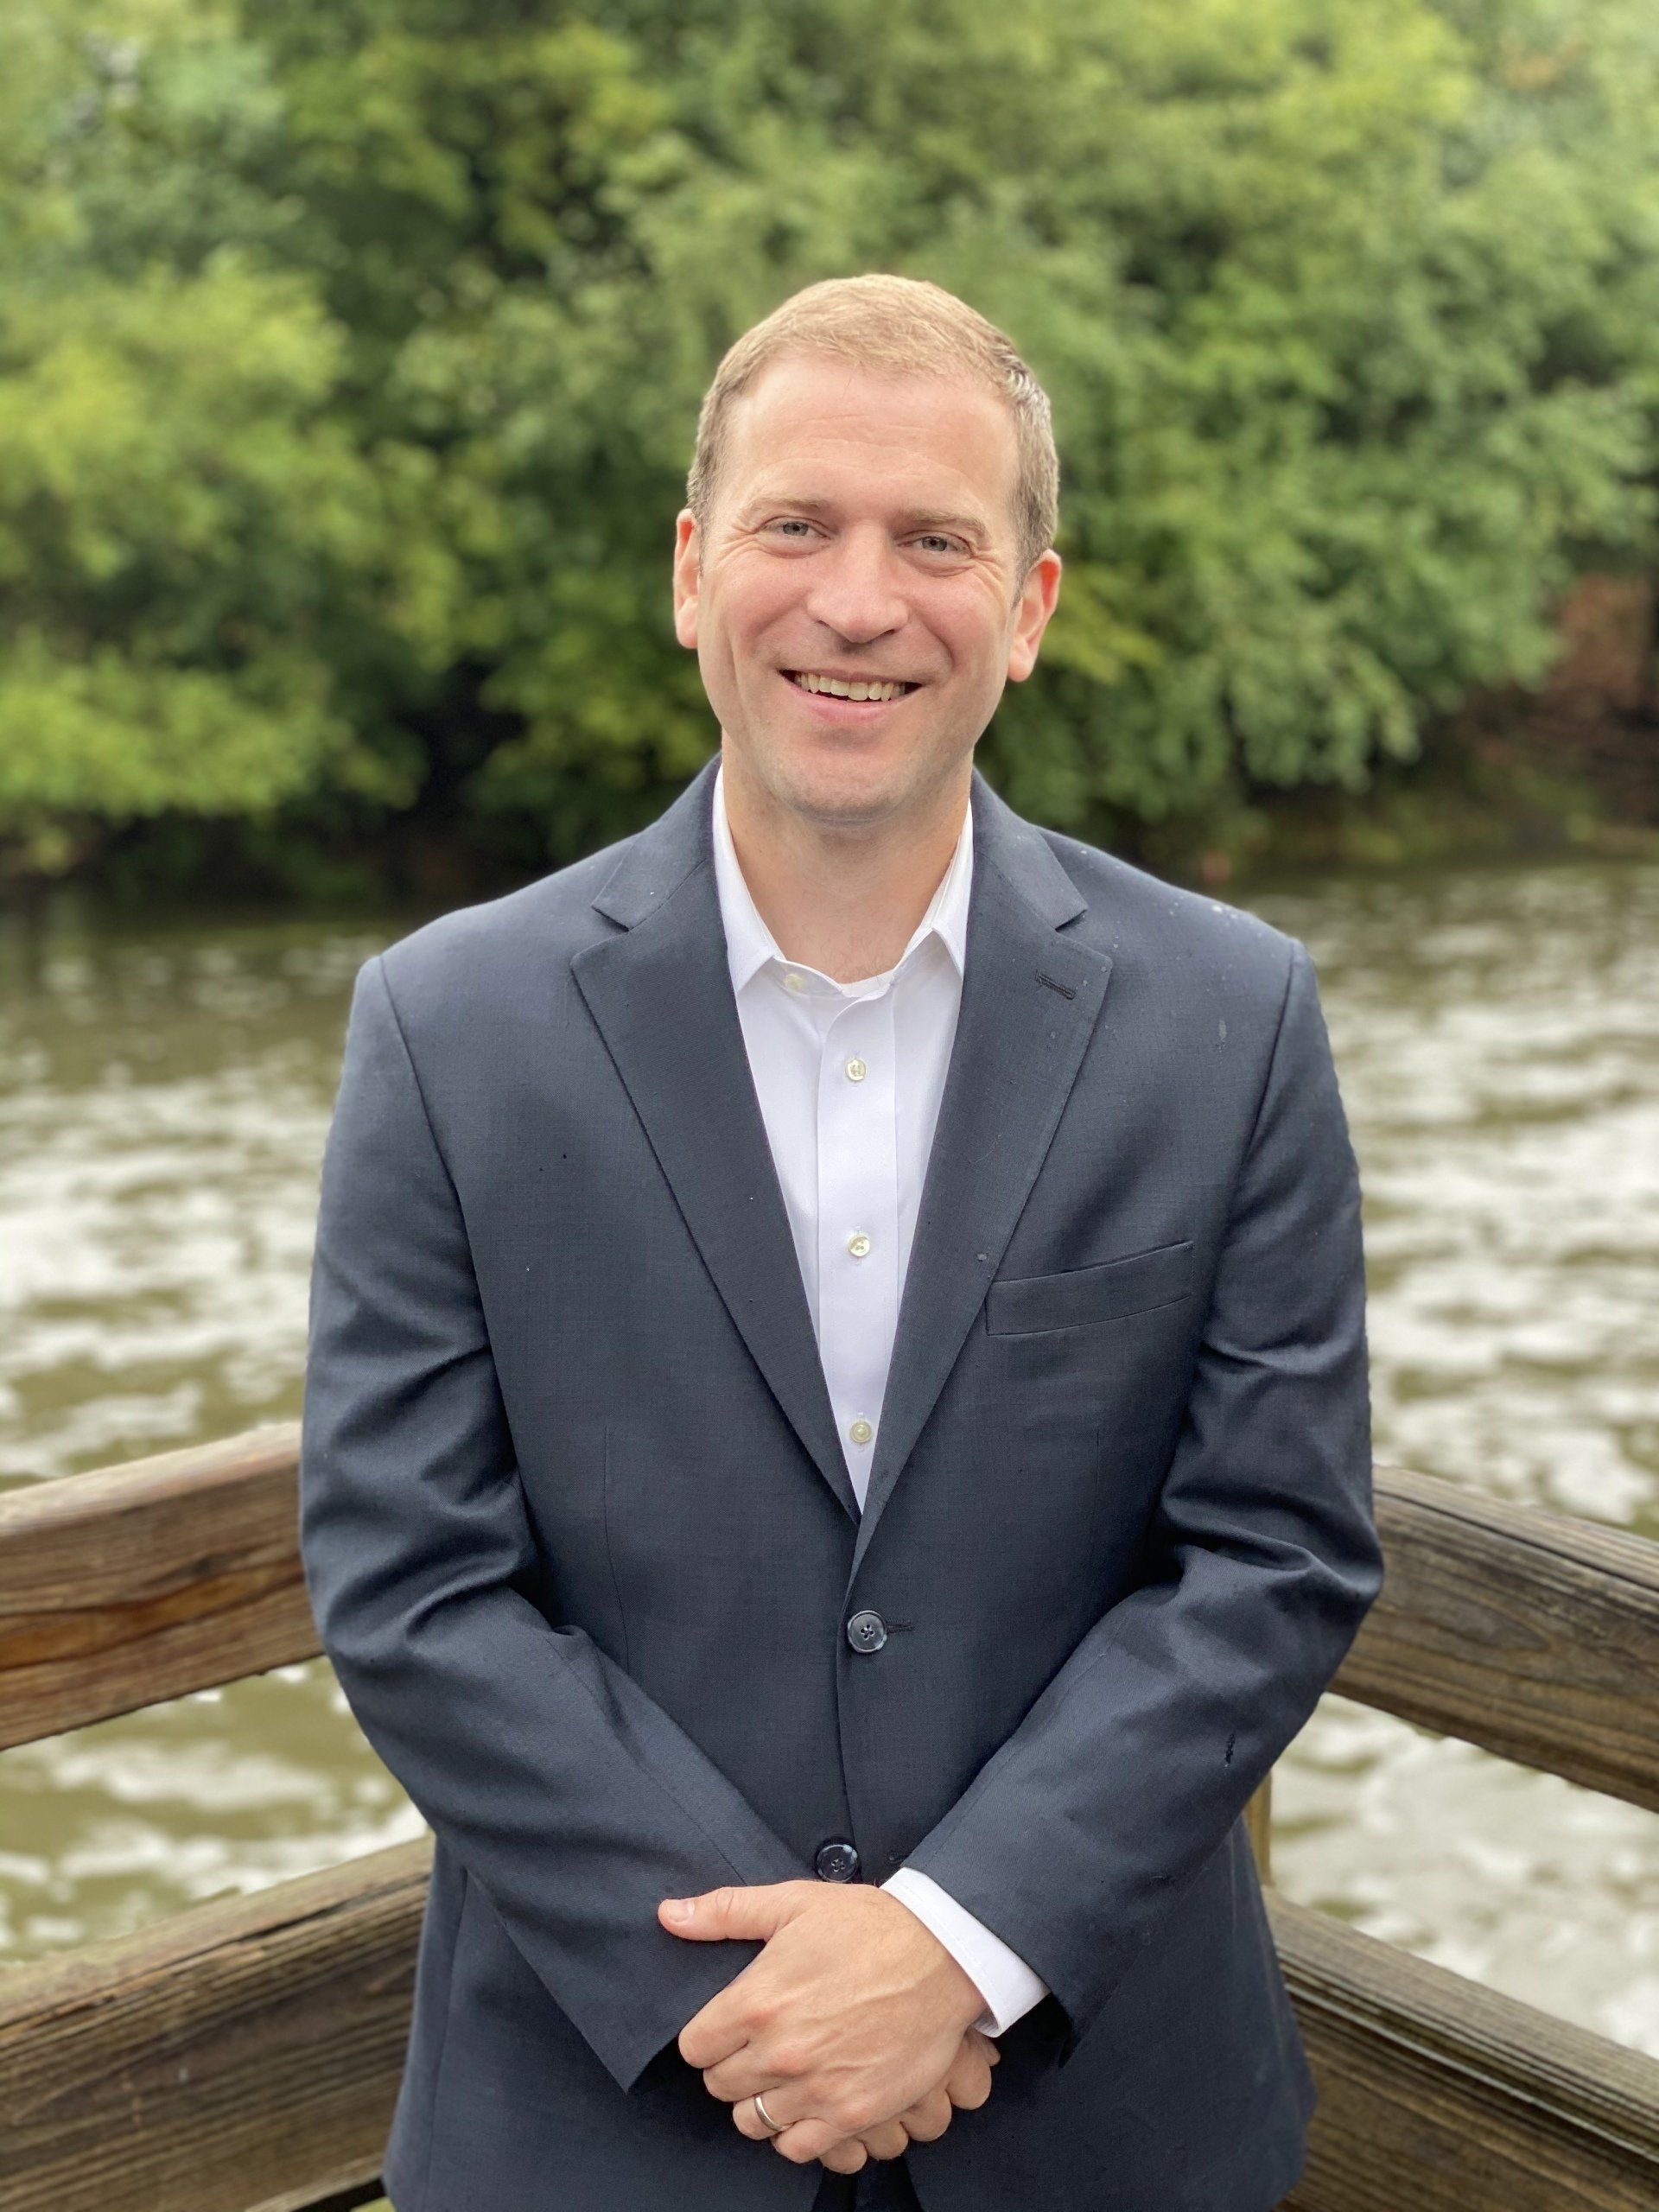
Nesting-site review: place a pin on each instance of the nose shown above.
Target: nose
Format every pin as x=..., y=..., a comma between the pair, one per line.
x=855, y=588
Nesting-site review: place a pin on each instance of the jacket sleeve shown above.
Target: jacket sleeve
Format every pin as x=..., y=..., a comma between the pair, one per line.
x=570, y=1797
x=1261, y=1558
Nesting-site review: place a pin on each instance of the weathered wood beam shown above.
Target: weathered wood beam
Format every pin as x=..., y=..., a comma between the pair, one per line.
x=1531, y=1634
x=1442, y=2095
x=133, y=1584
x=244, y=2053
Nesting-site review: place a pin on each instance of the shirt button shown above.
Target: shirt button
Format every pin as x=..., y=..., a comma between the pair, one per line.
x=856, y=1070
x=866, y=1632
x=858, y=1244
x=794, y=982
x=860, y=1430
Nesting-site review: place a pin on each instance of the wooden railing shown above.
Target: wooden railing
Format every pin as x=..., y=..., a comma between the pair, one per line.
x=244, y=2056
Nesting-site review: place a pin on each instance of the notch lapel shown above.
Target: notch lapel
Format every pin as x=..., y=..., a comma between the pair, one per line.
x=1030, y=999
x=661, y=994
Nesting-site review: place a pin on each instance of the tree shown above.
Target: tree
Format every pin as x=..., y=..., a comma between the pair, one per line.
x=350, y=354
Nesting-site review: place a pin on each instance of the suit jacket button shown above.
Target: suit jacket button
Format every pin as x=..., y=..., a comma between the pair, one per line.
x=836, y=1861
x=866, y=1632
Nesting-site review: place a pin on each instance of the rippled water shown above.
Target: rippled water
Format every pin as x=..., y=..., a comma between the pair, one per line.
x=164, y=1092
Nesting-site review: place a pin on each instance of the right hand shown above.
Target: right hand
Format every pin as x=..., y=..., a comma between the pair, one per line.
x=967, y=2083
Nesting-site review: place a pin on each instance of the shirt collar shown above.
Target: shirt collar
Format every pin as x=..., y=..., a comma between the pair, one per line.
x=750, y=944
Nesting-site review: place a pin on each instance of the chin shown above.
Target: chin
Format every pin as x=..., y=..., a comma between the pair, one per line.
x=850, y=790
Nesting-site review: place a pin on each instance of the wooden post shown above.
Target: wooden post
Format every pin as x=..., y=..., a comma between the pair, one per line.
x=1258, y=1820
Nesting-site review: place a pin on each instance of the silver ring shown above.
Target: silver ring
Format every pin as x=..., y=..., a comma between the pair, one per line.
x=774, y=2126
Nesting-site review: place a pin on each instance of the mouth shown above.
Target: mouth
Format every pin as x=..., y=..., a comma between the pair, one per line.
x=837, y=698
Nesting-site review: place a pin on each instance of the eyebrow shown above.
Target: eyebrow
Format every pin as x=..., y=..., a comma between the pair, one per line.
x=910, y=518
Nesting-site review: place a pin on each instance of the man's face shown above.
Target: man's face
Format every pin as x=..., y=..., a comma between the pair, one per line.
x=863, y=528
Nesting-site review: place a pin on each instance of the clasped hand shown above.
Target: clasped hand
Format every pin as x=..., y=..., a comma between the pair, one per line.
x=855, y=2023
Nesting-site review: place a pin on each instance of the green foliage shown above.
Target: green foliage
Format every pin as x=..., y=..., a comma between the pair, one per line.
x=351, y=350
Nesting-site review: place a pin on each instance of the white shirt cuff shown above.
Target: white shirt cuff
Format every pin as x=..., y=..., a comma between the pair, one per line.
x=1002, y=1976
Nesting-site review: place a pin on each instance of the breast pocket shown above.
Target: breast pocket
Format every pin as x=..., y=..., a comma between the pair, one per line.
x=1018, y=1305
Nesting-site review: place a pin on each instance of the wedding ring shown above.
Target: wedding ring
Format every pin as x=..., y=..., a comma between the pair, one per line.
x=773, y=2127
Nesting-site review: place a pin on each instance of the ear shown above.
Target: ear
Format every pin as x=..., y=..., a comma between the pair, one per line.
x=686, y=559
x=1037, y=599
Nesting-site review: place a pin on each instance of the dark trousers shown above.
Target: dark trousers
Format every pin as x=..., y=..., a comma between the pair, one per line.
x=880, y=2185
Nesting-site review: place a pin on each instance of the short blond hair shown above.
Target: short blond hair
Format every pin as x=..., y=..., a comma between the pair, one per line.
x=902, y=325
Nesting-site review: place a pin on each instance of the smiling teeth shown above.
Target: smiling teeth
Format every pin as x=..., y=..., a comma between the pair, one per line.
x=838, y=688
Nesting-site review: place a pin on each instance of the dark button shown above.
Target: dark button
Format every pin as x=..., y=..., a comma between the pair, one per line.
x=837, y=1862
x=866, y=1632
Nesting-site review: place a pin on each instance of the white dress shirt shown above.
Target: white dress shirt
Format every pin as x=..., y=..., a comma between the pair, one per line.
x=849, y=1077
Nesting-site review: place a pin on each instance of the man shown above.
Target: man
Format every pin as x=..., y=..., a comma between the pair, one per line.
x=836, y=1439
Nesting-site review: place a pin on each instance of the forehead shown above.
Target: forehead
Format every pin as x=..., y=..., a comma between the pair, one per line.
x=861, y=433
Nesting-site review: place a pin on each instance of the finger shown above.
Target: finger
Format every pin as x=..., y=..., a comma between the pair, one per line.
x=806, y=2140
x=845, y=2156
x=748, y=2121
x=886, y=2141
x=741, y=2075
x=754, y=1910
x=969, y=2081
x=717, y=2036
x=929, y=2117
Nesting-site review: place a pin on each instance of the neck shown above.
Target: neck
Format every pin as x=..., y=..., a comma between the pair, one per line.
x=845, y=901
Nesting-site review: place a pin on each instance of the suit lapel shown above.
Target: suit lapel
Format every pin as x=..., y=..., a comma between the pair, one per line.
x=1030, y=997
x=662, y=997
x=661, y=994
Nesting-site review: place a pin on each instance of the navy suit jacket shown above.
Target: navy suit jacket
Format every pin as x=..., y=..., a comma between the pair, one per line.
x=582, y=1546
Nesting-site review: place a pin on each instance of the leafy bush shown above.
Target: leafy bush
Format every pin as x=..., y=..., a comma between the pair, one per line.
x=350, y=355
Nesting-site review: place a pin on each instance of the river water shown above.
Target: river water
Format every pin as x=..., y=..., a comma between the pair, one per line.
x=165, y=1087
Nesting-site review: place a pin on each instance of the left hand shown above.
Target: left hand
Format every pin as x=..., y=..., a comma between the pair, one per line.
x=853, y=2012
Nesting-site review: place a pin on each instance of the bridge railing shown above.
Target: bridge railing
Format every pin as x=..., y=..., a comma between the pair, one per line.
x=243, y=2055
